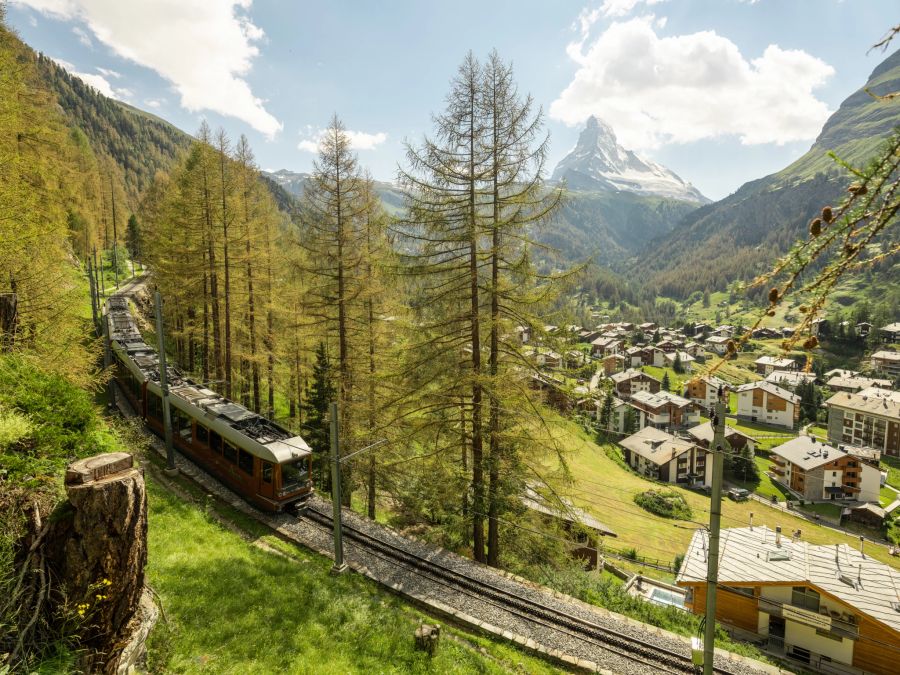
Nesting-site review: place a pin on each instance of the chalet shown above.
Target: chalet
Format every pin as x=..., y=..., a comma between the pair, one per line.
x=575, y=358
x=664, y=410
x=891, y=332
x=613, y=363
x=825, y=606
x=661, y=456
x=687, y=361
x=868, y=514
x=653, y=356
x=863, y=328
x=853, y=384
x=790, y=379
x=768, y=403
x=868, y=418
x=820, y=326
x=724, y=330
x=693, y=348
x=820, y=472
x=767, y=364
x=787, y=332
x=887, y=362
x=582, y=527
x=648, y=327
x=552, y=391
x=668, y=346
x=718, y=343
x=765, y=334
x=631, y=381
x=588, y=336
x=604, y=346
x=696, y=330
x=545, y=358
x=703, y=434
x=703, y=390
x=523, y=333
x=634, y=357
x=840, y=372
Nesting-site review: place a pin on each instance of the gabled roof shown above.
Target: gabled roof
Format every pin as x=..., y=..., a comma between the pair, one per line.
x=771, y=389
x=660, y=399
x=750, y=556
x=704, y=433
x=656, y=445
x=892, y=328
x=776, y=362
x=717, y=339
x=858, y=383
x=789, y=378
x=885, y=355
x=630, y=374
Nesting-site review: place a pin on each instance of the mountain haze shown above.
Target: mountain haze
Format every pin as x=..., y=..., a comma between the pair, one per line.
x=739, y=236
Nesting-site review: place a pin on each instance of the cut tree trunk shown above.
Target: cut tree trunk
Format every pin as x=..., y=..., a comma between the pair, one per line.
x=99, y=550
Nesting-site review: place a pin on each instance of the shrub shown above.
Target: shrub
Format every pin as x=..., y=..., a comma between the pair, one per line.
x=665, y=503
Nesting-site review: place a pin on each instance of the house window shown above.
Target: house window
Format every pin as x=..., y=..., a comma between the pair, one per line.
x=805, y=598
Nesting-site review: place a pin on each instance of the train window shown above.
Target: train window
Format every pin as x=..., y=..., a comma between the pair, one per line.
x=201, y=435
x=154, y=406
x=245, y=462
x=181, y=423
x=230, y=452
x=215, y=442
x=266, y=472
x=293, y=475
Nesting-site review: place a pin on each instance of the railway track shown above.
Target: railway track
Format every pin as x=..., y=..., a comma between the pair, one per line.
x=651, y=654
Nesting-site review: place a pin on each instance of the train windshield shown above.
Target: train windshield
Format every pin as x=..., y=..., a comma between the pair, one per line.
x=294, y=474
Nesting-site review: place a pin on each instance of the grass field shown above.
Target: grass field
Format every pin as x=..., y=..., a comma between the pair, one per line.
x=766, y=487
x=607, y=490
x=887, y=496
x=232, y=607
x=892, y=466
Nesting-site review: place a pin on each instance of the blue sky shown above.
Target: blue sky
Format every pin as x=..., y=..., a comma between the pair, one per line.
x=720, y=91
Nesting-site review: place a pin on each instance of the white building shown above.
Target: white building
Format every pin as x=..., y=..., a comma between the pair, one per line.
x=768, y=403
x=664, y=457
x=821, y=472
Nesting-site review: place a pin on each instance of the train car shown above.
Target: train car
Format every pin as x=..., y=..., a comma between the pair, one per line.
x=255, y=457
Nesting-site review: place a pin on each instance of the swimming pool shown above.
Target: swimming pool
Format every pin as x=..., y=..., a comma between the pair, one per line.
x=663, y=596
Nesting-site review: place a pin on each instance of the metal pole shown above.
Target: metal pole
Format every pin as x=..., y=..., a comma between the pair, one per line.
x=107, y=362
x=94, y=300
x=715, y=516
x=112, y=191
x=339, y=566
x=164, y=385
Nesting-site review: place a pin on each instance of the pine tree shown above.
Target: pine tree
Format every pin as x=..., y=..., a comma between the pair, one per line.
x=606, y=413
x=677, y=366
x=666, y=383
x=319, y=396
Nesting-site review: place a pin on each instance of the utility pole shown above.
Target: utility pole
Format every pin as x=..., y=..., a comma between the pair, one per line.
x=94, y=300
x=715, y=517
x=164, y=385
x=112, y=191
x=339, y=566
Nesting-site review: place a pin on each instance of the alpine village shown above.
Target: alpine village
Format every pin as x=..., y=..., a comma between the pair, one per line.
x=475, y=385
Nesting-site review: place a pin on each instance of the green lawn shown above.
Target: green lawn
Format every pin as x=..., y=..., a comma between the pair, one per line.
x=232, y=607
x=766, y=437
x=820, y=432
x=607, y=490
x=892, y=466
x=830, y=511
x=766, y=486
x=676, y=381
x=887, y=496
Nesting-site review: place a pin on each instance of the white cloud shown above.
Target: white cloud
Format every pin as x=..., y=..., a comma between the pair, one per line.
x=98, y=82
x=83, y=37
x=683, y=88
x=359, y=140
x=154, y=102
x=205, y=48
x=623, y=7
x=109, y=73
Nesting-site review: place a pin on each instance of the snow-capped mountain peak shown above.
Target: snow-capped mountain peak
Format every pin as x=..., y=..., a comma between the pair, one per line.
x=598, y=162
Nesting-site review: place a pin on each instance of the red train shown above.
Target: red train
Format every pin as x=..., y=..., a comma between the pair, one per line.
x=258, y=459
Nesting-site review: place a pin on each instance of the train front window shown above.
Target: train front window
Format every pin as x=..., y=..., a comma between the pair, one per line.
x=294, y=474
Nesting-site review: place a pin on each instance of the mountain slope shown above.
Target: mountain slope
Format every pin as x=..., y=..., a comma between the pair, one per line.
x=739, y=236
x=598, y=162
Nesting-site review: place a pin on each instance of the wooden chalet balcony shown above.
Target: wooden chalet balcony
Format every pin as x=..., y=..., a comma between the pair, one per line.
x=777, y=470
x=778, y=461
x=840, y=626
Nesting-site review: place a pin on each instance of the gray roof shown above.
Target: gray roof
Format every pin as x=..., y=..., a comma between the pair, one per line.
x=807, y=452
x=885, y=355
x=656, y=445
x=770, y=388
x=858, y=382
x=872, y=400
x=566, y=511
x=789, y=378
x=746, y=557
x=777, y=362
x=704, y=432
x=629, y=374
x=659, y=399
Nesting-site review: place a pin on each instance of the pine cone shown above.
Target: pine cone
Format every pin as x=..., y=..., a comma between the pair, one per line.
x=815, y=227
x=827, y=214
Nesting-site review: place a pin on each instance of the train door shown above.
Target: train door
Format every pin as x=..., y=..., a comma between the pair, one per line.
x=267, y=479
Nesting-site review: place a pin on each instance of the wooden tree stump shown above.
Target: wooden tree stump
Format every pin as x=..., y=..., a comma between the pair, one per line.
x=100, y=550
x=427, y=638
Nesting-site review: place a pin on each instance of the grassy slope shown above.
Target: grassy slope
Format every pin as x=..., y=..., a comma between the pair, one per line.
x=234, y=608
x=607, y=490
